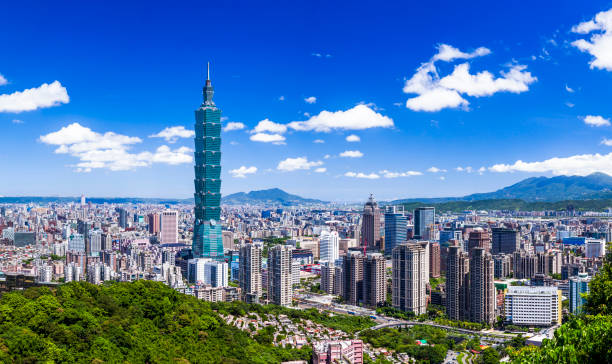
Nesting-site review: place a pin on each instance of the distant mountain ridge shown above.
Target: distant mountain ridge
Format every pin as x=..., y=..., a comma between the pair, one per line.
x=269, y=196
x=550, y=189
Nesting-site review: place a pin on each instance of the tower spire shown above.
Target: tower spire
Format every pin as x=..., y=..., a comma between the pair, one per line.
x=208, y=71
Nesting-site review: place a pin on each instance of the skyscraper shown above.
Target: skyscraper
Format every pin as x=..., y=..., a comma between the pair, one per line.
x=169, y=227
x=434, y=260
x=578, y=284
x=424, y=217
x=250, y=272
x=479, y=238
x=370, y=224
x=505, y=241
x=153, y=223
x=123, y=218
x=207, y=236
x=352, y=284
x=457, y=283
x=374, y=280
x=396, y=226
x=482, y=288
x=409, y=278
x=328, y=246
x=280, y=284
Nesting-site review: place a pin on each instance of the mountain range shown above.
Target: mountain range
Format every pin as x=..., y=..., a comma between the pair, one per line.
x=271, y=196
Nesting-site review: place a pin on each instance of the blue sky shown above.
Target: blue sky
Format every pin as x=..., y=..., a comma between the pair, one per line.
x=486, y=94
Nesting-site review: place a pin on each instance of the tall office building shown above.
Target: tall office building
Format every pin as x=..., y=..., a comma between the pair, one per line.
x=370, y=224
x=482, y=288
x=396, y=228
x=169, y=227
x=479, y=239
x=409, y=278
x=123, y=218
x=457, y=283
x=578, y=284
x=533, y=306
x=207, y=235
x=250, y=272
x=153, y=223
x=424, y=217
x=434, y=260
x=374, y=280
x=328, y=246
x=505, y=241
x=280, y=282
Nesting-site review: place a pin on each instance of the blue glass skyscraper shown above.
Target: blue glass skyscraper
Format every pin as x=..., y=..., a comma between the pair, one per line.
x=396, y=227
x=207, y=237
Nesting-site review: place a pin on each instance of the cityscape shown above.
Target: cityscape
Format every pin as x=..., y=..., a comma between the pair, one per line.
x=251, y=273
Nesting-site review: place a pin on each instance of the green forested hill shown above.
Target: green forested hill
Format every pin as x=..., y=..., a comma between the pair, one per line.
x=140, y=322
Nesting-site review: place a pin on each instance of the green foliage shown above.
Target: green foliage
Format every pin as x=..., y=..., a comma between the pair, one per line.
x=599, y=298
x=396, y=313
x=405, y=341
x=435, y=282
x=488, y=356
x=139, y=322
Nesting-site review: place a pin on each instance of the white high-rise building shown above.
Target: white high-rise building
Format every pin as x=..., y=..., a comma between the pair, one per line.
x=45, y=273
x=328, y=246
x=280, y=281
x=216, y=273
x=533, y=306
x=196, y=270
x=250, y=272
x=409, y=278
x=169, y=227
x=595, y=248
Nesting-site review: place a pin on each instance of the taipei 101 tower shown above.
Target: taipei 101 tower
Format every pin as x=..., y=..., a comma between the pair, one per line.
x=207, y=236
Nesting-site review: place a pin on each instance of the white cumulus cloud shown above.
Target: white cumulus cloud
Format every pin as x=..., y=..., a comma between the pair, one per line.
x=234, y=125
x=359, y=117
x=353, y=138
x=607, y=142
x=267, y=126
x=3, y=81
x=599, y=46
x=467, y=169
x=596, y=120
x=389, y=174
x=351, y=154
x=361, y=175
x=268, y=138
x=318, y=141
x=310, y=100
x=243, y=171
x=321, y=170
x=46, y=95
x=299, y=163
x=435, y=170
x=582, y=165
x=449, y=53
x=172, y=133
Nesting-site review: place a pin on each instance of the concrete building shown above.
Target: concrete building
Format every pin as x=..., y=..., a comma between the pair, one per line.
x=482, y=288
x=457, y=283
x=153, y=223
x=595, y=248
x=502, y=265
x=479, y=239
x=216, y=273
x=370, y=224
x=505, y=241
x=250, y=272
x=374, y=280
x=330, y=352
x=524, y=265
x=327, y=277
x=169, y=227
x=352, y=283
x=434, y=260
x=280, y=282
x=409, y=278
x=533, y=306
x=577, y=285
x=329, y=246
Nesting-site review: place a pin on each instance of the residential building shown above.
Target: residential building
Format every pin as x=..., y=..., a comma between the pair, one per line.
x=169, y=227
x=434, y=260
x=409, y=278
x=457, y=283
x=280, y=282
x=578, y=285
x=328, y=246
x=370, y=224
x=482, y=288
x=374, y=280
x=250, y=272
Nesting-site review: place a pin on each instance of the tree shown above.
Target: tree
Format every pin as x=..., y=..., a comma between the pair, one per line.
x=488, y=356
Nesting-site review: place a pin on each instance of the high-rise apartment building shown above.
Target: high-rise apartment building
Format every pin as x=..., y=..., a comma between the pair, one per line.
x=577, y=285
x=169, y=227
x=457, y=283
x=525, y=265
x=280, y=282
x=153, y=221
x=482, y=288
x=502, y=265
x=374, y=280
x=396, y=227
x=216, y=273
x=352, y=269
x=207, y=235
x=327, y=277
x=409, y=278
x=505, y=241
x=434, y=260
x=250, y=272
x=424, y=218
x=479, y=239
x=328, y=246
x=370, y=224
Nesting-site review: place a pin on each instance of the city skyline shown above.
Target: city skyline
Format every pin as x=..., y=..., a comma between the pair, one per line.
x=405, y=110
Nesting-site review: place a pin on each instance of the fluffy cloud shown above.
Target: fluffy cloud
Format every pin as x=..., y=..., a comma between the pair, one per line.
x=581, y=165
x=358, y=118
x=234, y=126
x=389, y=174
x=310, y=100
x=299, y=163
x=607, y=142
x=318, y=141
x=435, y=93
x=321, y=170
x=3, y=81
x=569, y=89
x=269, y=126
x=351, y=154
x=243, y=171
x=281, y=98
x=361, y=175
x=109, y=150
x=172, y=133
x=435, y=170
x=596, y=120
x=46, y=95
x=268, y=138
x=353, y=138
x=467, y=169
x=600, y=44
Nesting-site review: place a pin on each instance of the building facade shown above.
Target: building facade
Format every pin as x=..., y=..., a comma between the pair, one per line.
x=578, y=285
x=396, y=228
x=370, y=224
x=424, y=217
x=280, y=280
x=533, y=306
x=409, y=278
x=169, y=227
x=250, y=272
x=482, y=287
x=457, y=283
x=328, y=246
x=505, y=241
